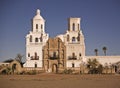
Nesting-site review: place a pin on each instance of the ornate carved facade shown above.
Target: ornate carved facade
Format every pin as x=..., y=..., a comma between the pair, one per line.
x=54, y=55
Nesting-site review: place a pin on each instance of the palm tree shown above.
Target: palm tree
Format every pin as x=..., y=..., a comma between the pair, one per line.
x=96, y=52
x=104, y=50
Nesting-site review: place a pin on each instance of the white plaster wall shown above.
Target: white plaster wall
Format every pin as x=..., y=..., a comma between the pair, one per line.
x=31, y=63
x=74, y=48
x=105, y=59
x=76, y=63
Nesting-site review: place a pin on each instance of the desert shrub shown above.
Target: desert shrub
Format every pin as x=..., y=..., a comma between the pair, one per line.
x=22, y=73
x=68, y=71
x=33, y=72
x=94, y=67
x=97, y=70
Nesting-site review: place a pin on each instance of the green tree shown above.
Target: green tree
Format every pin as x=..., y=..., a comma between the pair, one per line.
x=104, y=50
x=96, y=52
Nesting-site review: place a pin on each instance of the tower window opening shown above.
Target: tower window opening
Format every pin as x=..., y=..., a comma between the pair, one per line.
x=73, y=39
x=28, y=54
x=36, y=26
x=73, y=27
x=36, y=57
x=36, y=39
x=73, y=65
x=78, y=26
x=41, y=26
x=80, y=54
x=73, y=55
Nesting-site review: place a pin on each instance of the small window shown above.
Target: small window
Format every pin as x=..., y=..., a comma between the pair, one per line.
x=78, y=26
x=73, y=54
x=36, y=26
x=54, y=54
x=35, y=65
x=73, y=39
x=30, y=38
x=73, y=27
x=35, y=54
x=80, y=54
x=28, y=54
x=36, y=39
x=73, y=65
x=41, y=26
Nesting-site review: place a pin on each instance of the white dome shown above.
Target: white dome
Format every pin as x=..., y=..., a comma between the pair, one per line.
x=38, y=11
x=38, y=16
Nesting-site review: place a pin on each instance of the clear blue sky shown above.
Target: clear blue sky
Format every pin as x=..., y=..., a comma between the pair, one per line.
x=100, y=23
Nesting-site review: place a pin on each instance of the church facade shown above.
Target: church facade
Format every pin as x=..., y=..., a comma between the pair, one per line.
x=65, y=51
x=54, y=55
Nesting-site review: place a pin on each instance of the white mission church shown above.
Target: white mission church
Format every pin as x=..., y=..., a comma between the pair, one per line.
x=68, y=47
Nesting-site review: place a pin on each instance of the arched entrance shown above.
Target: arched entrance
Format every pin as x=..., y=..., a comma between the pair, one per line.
x=16, y=66
x=54, y=68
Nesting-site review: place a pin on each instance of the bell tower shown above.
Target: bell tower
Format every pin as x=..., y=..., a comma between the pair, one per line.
x=35, y=41
x=74, y=24
x=74, y=41
x=38, y=23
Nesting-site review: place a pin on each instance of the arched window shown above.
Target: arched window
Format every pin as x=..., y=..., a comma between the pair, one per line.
x=73, y=65
x=68, y=38
x=36, y=56
x=78, y=26
x=36, y=26
x=35, y=65
x=41, y=26
x=28, y=54
x=73, y=55
x=54, y=54
x=80, y=54
x=73, y=39
x=73, y=27
x=36, y=39
x=30, y=38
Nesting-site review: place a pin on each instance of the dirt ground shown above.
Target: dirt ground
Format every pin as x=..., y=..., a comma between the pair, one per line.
x=59, y=81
